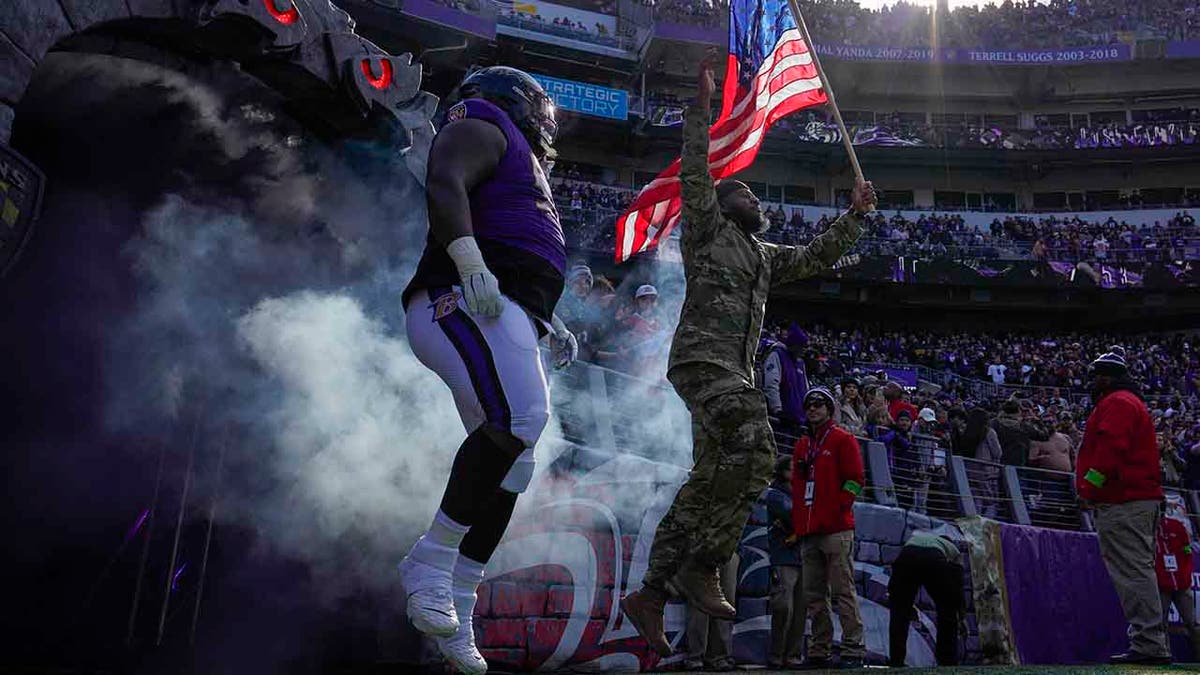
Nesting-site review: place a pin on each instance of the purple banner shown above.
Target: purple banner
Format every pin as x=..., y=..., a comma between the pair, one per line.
x=686, y=33
x=1183, y=50
x=476, y=24
x=1019, y=57
x=998, y=57
x=906, y=377
x=1061, y=600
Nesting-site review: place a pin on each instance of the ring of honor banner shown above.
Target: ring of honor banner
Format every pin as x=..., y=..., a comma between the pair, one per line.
x=1027, y=273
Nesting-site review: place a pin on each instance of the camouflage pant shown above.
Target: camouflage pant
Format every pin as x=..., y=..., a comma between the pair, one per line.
x=733, y=454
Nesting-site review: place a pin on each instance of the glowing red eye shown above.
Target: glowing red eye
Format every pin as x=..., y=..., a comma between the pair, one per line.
x=384, y=79
x=285, y=17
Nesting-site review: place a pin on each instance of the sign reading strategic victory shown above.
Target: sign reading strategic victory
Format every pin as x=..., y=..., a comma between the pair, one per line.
x=588, y=99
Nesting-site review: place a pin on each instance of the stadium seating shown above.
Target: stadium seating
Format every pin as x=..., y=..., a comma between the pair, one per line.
x=590, y=210
x=1008, y=25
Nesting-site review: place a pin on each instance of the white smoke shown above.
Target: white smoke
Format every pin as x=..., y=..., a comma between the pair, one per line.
x=267, y=307
x=348, y=435
x=271, y=308
x=361, y=428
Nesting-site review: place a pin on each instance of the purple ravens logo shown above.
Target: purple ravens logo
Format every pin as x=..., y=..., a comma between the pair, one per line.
x=456, y=112
x=445, y=305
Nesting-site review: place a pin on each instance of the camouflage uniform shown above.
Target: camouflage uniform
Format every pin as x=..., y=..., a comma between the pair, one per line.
x=729, y=274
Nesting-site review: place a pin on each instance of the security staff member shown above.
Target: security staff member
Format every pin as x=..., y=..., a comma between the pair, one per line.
x=827, y=476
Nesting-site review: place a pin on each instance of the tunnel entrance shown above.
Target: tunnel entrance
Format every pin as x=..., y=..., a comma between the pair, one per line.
x=111, y=109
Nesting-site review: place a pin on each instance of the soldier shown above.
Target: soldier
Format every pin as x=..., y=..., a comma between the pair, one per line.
x=729, y=273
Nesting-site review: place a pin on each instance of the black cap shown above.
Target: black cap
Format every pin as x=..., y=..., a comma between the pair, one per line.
x=1110, y=363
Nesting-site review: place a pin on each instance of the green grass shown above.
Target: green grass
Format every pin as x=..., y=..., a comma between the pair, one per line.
x=1024, y=669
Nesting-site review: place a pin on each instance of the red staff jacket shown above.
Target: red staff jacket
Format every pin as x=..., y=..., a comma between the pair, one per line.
x=1118, y=459
x=827, y=475
x=1173, y=556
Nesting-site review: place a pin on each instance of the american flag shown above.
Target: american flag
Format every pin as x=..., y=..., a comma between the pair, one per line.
x=769, y=74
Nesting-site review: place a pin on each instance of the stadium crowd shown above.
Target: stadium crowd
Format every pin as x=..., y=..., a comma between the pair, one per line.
x=1148, y=128
x=1006, y=25
x=1011, y=238
x=965, y=135
x=562, y=27
x=589, y=212
x=703, y=13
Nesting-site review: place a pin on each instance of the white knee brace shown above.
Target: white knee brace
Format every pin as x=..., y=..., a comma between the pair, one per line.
x=518, y=477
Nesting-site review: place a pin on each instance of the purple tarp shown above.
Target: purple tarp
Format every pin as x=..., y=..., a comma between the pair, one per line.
x=1060, y=598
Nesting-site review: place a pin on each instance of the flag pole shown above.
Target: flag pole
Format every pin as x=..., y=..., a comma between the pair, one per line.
x=837, y=114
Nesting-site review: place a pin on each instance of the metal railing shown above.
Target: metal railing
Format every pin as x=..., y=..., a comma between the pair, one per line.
x=984, y=483
x=1049, y=498
x=921, y=478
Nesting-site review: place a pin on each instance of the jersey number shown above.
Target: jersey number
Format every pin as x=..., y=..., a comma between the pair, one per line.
x=546, y=202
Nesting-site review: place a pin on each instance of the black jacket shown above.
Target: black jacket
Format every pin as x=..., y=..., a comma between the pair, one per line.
x=1016, y=435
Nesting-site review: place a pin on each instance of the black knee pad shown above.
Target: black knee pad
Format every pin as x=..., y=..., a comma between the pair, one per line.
x=485, y=535
x=481, y=464
x=506, y=443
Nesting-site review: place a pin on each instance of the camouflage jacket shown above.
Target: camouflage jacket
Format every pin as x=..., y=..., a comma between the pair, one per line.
x=729, y=272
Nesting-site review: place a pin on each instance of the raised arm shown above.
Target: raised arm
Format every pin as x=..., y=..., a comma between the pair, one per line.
x=789, y=263
x=701, y=212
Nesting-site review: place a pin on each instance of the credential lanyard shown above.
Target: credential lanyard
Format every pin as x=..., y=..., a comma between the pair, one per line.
x=810, y=459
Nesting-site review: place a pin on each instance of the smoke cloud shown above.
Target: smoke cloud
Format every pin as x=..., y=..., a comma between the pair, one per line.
x=267, y=269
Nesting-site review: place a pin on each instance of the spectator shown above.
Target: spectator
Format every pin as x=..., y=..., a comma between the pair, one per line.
x=785, y=380
x=929, y=424
x=852, y=413
x=897, y=438
x=787, y=593
x=997, y=371
x=1067, y=427
x=827, y=476
x=1173, y=566
x=934, y=563
x=643, y=343
x=1016, y=432
x=1118, y=472
x=1055, y=454
x=1190, y=480
x=572, y=306
x=878, y=419
x=982, y=443
x=1171, y=463
x=895, y=396
x=912, y=463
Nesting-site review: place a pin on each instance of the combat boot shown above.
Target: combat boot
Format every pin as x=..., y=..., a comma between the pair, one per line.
x=701, y=588
x=645, y=611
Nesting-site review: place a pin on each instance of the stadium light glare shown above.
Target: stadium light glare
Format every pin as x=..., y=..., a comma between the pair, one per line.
x=953, y=4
